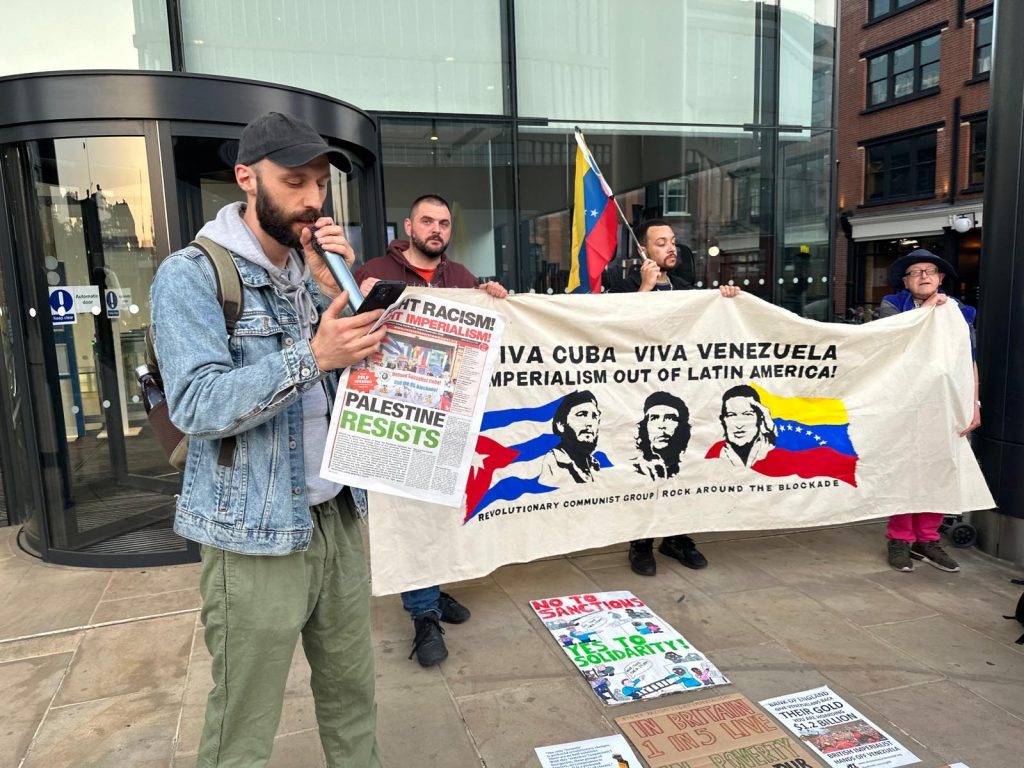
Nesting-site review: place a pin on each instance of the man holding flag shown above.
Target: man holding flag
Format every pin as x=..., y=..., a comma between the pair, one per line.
x=656, y=243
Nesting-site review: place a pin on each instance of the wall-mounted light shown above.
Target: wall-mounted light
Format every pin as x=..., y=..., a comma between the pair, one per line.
x=713, y=251
x=962, y=223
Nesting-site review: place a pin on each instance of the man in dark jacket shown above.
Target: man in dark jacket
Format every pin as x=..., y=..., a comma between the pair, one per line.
x=655, y=273
x=421, y=260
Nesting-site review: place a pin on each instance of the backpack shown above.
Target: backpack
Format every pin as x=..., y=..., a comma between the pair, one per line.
x=229, y=294
x=1019, y=613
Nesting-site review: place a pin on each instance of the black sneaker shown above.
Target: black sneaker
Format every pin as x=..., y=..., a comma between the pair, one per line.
x=452, y=611
x=428, y=644
x=683, y=549
x=899, y=555
x=935, y=555
x=641, y=557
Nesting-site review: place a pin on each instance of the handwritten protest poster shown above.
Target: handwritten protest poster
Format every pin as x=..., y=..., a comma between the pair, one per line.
x=604, y=752
x=836, y=731
x=623, y=649
x=625, y=416
x=712, y=733
x=405, y=420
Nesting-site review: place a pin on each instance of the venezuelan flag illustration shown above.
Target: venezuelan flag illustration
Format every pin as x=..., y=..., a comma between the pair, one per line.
x=509, y=452
x=812, y=438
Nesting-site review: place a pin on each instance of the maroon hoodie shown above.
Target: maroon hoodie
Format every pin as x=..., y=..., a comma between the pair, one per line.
x=394, y=266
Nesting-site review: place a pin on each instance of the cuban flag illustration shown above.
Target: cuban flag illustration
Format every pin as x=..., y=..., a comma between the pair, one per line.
x=509, y=452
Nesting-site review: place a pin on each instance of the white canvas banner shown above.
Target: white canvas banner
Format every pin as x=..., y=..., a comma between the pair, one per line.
x=616, y=417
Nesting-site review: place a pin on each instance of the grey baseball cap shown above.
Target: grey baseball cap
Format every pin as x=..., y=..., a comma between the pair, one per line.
x=287, y=141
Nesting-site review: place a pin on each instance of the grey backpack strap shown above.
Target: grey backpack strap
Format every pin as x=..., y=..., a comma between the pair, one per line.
x=229, y=282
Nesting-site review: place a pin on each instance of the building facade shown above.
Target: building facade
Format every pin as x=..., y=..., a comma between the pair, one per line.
x=714, y=114
x=913, y=79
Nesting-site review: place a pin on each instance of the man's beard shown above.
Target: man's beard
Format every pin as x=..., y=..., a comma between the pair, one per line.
x=576, y=447
x=276, y=222
x=429, y=249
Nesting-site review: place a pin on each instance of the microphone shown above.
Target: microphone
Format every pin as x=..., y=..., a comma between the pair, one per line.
x=339, y=271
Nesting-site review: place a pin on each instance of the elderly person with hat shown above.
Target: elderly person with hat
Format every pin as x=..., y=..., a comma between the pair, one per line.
x=915, y=536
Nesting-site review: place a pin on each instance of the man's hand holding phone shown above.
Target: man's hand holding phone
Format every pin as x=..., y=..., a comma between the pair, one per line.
x=382, y=294
x=342, y=341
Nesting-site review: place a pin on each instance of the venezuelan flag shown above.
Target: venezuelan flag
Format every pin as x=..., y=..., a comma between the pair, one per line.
x=812, y=438
x=593, y=224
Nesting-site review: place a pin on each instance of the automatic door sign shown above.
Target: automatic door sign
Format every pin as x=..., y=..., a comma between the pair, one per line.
x=115, y=299
x=68, y=302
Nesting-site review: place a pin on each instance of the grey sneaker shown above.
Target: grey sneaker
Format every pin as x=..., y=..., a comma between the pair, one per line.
x=899, y=555
x=933, y=554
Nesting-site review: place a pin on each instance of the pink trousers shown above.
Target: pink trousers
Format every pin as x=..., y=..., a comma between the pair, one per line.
x=920, y=526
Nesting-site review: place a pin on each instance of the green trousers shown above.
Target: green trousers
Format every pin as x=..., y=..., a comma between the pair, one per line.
x=255, y=608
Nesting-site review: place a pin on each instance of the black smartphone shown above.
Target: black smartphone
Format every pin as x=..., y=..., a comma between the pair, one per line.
x=383, y=294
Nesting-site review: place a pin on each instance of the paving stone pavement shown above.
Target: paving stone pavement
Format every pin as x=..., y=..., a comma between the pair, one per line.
x=107, y=668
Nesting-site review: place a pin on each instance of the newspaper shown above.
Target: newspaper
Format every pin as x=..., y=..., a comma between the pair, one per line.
x=603, y=752
x=836, y=731
x=406, y=419
x=724, y=731
x=623, y=649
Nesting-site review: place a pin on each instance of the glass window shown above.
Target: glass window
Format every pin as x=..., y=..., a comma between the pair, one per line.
x=979, y=141
x=804, y=266
x=410, y=56
x=929, y=56
x=720, y=236
x=903, y=73
x=900, y=170
x=982, y=44
x=806, y=62
x=675, y=197
x=69, y=34
x=604, y=60
x=470, y=165
x=205, y=180
x=878, y=80
x=880, y=8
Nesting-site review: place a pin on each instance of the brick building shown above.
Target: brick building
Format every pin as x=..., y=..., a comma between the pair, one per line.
x=912, y=97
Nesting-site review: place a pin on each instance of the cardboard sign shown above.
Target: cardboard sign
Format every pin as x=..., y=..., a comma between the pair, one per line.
x=713, y=733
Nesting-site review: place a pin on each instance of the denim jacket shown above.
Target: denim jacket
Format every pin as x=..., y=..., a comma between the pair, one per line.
x=249, y=386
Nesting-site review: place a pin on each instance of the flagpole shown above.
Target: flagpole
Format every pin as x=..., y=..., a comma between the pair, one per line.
x=593, y=161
